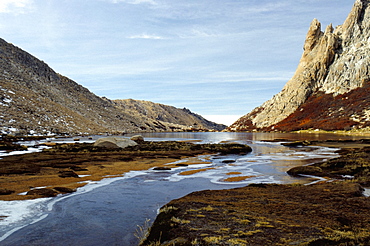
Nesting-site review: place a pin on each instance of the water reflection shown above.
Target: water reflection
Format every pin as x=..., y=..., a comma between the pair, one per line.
x=247, y=136
x=108, y=214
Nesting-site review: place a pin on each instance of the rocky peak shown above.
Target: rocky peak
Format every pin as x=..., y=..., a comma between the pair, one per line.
x=357, y=21
x=333, y=62
x=313, y=35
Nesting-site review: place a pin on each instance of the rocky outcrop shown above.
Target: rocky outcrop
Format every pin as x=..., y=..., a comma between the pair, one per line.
x=114, y=143
x=43, y=192
x=36, y=99
x=334, y=63
x=137, y=138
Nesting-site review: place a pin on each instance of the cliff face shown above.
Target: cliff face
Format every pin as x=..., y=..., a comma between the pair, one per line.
x=35, y=99
x=334, y=63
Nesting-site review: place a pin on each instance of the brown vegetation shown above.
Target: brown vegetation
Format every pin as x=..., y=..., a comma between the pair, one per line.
x=328, y=112
x=325, y=214
x=191, y=172
x=69, y=165
x=333, y=213
x=237, y=178
x=353, y=163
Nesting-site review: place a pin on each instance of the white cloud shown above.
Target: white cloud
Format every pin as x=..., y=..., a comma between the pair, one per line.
x=232, y=76
x=201, y=33
x=152, y=2
x=145, y=36
x=268, y=7
x=14, y=6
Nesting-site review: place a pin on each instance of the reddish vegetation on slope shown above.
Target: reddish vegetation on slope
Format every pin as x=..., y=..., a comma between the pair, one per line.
x=328, y=112
x=245, y=123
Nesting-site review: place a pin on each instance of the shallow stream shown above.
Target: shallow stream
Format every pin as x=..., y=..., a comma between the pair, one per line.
x=109, y=212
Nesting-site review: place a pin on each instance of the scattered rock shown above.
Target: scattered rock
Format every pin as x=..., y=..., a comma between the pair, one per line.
x=11, y=146
x=68, y=174
x=6, y=192
x=43, y=192
x=353, y=163
x=307, y=170
x=3, y=217
x=66, y=160
x=297, y=143
x=162, y=168
x=181, y=165
x=137, y=138
x=64, y=189
x=114, y=143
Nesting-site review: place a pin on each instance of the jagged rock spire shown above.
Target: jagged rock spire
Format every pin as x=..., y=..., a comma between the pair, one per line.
x=335, y=61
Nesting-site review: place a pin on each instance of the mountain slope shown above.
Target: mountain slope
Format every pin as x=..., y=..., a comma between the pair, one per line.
x=34, y=98
x=168, y=114
x=331, y=77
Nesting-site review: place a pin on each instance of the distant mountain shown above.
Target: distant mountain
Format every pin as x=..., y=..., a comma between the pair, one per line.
x=168, y=114
x=36, y=99
x=330, y=87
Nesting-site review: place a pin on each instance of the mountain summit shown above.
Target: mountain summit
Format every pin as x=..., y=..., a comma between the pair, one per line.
x=330, y=87
x=36, y=99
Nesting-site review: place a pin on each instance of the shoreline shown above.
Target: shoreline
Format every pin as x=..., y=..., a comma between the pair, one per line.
x=97, y=169
x=153, y=161
x=266, y=214
x=325, y=213
x=66, y=167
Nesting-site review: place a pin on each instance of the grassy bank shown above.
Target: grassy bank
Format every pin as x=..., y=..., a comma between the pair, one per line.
x=334, y=213
x=66, y=167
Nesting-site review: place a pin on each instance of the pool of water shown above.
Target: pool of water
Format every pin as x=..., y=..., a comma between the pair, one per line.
x=109, y=212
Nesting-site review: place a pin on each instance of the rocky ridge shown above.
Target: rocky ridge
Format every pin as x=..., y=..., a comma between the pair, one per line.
x=332, y=76
x=36, y=99
x=165, y=113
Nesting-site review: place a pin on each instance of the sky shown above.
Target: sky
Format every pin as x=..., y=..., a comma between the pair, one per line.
x=218, y=58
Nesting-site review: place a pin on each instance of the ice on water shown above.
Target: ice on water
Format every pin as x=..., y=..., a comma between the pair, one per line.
x=17, y=214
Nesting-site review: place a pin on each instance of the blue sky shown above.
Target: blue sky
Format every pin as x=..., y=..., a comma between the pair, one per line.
x=219, y=58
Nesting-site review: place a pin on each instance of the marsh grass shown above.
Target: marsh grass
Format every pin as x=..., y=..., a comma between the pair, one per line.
x=237, y=242
x=213, y=240
x=233, y=173
x=191, y=172
x=356, y=235
x=142, y=232
x=237, y=178
x=264, y=224
x=180, y=221
x=167, y=209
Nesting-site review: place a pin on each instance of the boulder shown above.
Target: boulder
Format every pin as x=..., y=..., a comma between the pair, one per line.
x=307, y=170
x=68, y=174
x=43, y=192
x=114, y=143
x=64, y=189
x=137, y=138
